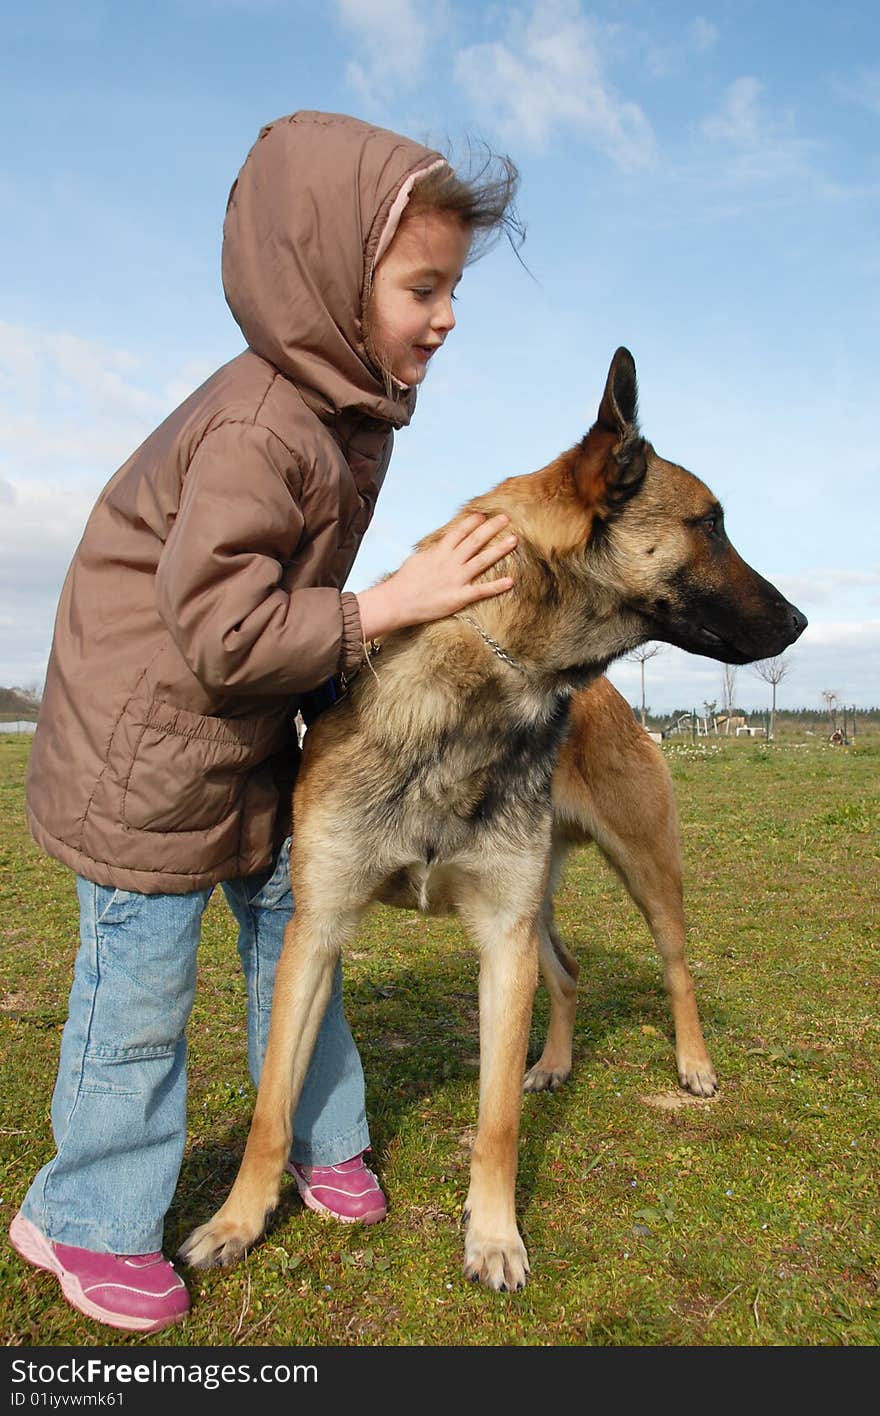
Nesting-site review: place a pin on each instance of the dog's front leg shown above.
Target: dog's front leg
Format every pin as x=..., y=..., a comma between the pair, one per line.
x=494, y=1252
x=303, y=983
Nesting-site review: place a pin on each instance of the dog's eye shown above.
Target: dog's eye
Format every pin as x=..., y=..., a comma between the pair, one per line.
x=712, y=524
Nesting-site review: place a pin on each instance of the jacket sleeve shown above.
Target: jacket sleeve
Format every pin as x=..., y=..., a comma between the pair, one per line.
x=219, y=583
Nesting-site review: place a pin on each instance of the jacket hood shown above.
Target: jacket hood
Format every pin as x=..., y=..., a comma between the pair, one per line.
x=318, y=196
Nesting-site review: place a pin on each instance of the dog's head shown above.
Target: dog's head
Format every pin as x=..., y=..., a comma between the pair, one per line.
x=651, y=540
x=656, y=532
x=639, y=542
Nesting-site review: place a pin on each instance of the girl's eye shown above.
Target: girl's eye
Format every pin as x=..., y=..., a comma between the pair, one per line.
x=422, y=292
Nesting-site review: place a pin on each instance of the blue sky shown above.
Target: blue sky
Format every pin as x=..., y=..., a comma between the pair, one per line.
x=699, y=182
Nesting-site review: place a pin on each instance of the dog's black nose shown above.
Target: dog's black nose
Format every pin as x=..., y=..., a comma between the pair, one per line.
x=799, y=623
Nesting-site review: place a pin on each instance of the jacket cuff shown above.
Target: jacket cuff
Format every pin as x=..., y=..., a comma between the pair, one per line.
x=351, y=653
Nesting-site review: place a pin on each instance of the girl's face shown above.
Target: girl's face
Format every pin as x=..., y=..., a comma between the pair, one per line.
x=410, y=312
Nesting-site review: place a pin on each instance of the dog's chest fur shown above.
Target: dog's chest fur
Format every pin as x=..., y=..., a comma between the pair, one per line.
x=481, y=784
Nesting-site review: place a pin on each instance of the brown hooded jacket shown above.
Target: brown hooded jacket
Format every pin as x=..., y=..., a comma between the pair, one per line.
x=206, y=592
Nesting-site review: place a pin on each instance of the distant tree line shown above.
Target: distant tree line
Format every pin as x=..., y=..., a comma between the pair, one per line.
x=19, y=705
x=814, y=718
x=22, y=704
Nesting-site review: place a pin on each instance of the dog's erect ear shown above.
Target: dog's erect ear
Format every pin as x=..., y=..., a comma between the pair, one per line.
x=617, y=410
x=612, y=457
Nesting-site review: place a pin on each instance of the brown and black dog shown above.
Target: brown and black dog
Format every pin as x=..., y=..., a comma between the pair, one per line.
x=455, y=774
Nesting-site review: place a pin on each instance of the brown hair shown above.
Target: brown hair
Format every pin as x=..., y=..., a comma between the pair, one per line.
x=482, y=195
x=484, y=201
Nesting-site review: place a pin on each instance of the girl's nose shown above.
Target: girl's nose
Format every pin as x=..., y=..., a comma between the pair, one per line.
x=444, y=317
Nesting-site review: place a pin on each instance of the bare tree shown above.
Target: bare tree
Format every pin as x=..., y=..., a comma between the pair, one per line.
x=772, y=671
x=728, y=686
x=831, y=698
x=640, y=656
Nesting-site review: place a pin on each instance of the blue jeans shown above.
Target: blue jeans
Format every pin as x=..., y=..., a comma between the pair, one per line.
x=119, y=1106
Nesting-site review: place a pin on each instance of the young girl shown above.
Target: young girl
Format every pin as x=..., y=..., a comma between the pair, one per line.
x=204, y=600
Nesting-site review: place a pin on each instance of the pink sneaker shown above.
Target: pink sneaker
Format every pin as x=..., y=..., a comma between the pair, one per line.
x=348, y=1191
x=135, y=1292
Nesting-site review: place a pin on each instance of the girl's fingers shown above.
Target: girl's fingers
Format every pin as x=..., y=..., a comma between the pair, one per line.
x=482, y=535
x=489, y=556
x=476, y=530
x=460, y=530
x=487, y=588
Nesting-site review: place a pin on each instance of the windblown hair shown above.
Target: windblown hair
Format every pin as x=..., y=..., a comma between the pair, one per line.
x=481, y=193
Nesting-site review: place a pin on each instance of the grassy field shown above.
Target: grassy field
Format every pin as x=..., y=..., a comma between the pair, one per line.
x=651, y=1218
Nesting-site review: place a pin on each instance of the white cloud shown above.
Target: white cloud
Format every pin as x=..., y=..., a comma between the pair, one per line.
x=739, y=120
x=670, y=57
x=863, y=88
x=71, y=411
x=832, y=587
x=41, y=527
x=760, y=145
x=68, y=402
x=188, y=378
x=392, y=38
x=838, y=655
x=546, y=74
x=702, y=35
x=841, y=656
x=843, y=635
x=39, y=530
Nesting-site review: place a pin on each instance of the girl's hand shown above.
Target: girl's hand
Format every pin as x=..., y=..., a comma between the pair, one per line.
x=438, y=580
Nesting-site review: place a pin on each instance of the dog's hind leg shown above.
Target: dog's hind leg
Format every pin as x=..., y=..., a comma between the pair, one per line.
x=651, y=871
x=613, y=786
x=559, y=970
x=303, y=983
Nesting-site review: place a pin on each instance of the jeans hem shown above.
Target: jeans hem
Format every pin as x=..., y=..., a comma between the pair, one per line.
x=334, y=1151
x=86, y=1235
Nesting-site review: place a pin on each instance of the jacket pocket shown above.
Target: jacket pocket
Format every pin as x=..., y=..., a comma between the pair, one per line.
x=188, y=772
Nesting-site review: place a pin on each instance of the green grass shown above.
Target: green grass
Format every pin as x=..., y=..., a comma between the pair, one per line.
x=750, y=1220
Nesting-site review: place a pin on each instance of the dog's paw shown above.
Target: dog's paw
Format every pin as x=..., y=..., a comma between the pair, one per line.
x=542, y=1077
x=500, y=1264
x=219, y=1242
x=697, y=1076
